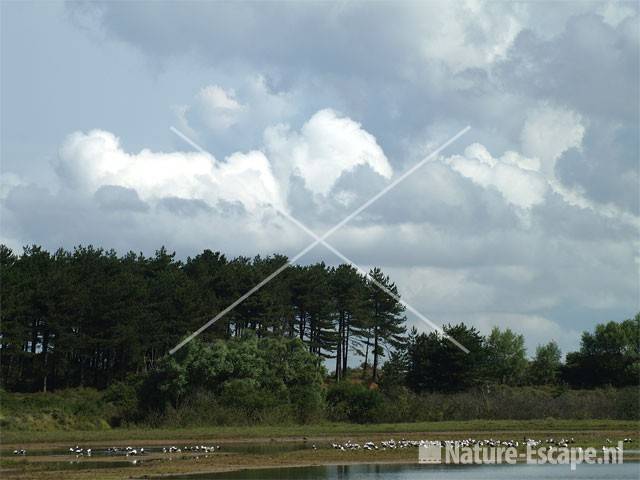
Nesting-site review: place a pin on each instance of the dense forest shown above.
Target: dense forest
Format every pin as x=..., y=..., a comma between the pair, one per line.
x=92, y=319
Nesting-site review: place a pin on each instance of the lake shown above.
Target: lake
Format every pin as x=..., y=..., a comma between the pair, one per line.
x=628, y=471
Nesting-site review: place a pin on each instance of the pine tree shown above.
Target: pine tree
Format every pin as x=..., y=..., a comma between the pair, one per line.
x=350, y=293
x=387, y=326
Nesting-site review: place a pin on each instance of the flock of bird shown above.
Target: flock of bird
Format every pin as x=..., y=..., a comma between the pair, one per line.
x=132, y=452
x=547, y=444
x=384, y=445
x=127, y=451
x=466, y=442
x=195, y=448
x=80, y=452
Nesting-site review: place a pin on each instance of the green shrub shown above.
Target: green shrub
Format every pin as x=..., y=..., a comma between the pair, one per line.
x=353, y=402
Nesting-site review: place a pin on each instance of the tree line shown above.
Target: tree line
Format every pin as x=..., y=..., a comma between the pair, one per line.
x=91, y=318
x=88, y=317
x=428, y=362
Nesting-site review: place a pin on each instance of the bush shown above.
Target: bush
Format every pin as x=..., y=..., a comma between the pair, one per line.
x=124, y=398
x=353, y=402
x=254, y=379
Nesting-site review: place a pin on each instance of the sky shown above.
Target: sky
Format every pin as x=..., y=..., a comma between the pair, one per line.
x=210, y=125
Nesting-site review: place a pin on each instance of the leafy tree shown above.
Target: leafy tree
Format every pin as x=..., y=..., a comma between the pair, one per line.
x=353, y=402
x=506, y=361
x=546, y=365
x=608, y=356
x=435, y=364
x=249, y=374
x=394, y=370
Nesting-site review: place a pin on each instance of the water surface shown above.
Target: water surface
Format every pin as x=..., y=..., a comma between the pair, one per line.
x=628, y=471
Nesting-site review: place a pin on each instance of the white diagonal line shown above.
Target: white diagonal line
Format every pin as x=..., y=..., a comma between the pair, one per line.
x=396, y=182
x=189, y=141
x=240, y=300
x=322, y=240
x=381, y=286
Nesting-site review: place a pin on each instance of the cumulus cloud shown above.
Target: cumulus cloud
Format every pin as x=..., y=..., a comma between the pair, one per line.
x=468, y=34
x=184, y=207
x=219, y=107
x=550, y=131
x=113, y=197
x=514, y=176
x=235, y=117
x=327, y=146
x=523, y=180
x=91, y=160
x=547, y=134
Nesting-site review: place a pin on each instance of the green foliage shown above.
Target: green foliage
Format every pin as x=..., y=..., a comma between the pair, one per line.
x=89, y=318
x=609, y=356
x=526, y=403
x=353, y=402
x=394, y=371
x=124, y=398
x=505, y=361
x=546, y=365
x=436, y=364
x=72, y=409
x=387, y=322
x=351, y=295
x=250, y=376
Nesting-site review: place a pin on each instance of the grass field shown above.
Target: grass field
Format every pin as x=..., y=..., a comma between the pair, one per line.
x=315, y=430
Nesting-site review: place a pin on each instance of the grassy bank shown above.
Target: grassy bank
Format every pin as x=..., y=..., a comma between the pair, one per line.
x=259, y=432
x=71, y=409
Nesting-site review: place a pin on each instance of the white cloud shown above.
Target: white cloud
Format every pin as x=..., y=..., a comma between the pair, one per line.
x=236, y=116
x=468, y=34
x=524, y=180
x=550, y=131
x=547, y=134
x=326, y=146
x=615, y=12
x=91, y=160
x=514, y=176
x=218, y=107
x=8, y=181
